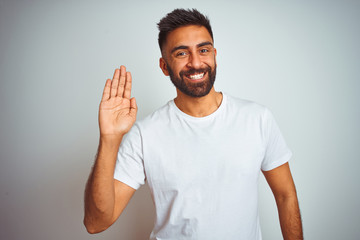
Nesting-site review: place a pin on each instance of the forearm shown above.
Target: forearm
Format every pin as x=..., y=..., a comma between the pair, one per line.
x=290, y=219
x=100, y=193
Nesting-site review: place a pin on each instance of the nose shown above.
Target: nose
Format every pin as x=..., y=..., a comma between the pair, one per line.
x=194, y=61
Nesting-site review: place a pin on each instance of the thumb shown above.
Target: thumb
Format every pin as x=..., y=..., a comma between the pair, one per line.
x=133, y=106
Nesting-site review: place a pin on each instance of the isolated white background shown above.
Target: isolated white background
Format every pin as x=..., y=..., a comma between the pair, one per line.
x=299, y=58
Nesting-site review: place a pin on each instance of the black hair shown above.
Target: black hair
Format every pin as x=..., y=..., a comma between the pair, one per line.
x=179, y=18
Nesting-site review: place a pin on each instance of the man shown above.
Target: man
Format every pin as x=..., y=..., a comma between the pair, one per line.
x=201, y=153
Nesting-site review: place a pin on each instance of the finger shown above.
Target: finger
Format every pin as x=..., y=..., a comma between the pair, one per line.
x=133, y=107
x=106, y=92
x=115, y=83
x=127, y=91
x=120, y=90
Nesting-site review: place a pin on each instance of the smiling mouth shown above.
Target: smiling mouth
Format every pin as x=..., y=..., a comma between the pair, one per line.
x=196, y=76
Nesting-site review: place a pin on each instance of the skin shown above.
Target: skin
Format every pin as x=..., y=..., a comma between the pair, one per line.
x=283, y=188
x=191, y=55
x=105, y=197
x=186, y=48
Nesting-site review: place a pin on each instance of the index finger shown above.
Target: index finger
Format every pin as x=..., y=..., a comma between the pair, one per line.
x=127, y=92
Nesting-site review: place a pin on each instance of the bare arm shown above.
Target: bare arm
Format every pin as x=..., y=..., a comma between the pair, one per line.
x=283, y=188
x=105, y=197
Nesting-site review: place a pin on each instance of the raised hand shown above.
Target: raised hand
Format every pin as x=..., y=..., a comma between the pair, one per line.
x=117, y=112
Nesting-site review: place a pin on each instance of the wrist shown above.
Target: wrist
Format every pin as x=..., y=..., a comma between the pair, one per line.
x=110, y=140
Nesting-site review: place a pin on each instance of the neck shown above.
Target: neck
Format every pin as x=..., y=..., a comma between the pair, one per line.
x=199, y=107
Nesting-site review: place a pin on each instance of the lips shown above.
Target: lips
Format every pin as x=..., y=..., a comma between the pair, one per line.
x=196, y=76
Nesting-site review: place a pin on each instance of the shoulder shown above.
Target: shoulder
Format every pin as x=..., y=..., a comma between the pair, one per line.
x=157, y=118
x=243, y=106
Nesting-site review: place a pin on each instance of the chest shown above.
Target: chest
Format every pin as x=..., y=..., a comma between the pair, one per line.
x=195, y=157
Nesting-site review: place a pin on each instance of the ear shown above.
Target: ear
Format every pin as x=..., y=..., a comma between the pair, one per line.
x=215, y=53
x=163, y=66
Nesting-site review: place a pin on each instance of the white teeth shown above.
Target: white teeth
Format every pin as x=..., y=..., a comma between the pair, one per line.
x=196, y=76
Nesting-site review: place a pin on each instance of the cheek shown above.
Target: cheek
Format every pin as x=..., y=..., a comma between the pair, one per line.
x=212, y=63
x=177, y=67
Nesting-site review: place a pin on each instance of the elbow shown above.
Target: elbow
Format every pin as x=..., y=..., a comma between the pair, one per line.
x=286, y=199
x=93, y=228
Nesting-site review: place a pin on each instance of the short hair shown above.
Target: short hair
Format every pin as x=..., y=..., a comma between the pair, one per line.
x=179, y=18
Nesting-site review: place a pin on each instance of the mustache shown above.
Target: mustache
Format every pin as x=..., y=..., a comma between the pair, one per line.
x=194, y=71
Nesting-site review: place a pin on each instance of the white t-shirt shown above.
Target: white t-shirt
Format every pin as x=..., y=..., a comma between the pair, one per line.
x=203, y=172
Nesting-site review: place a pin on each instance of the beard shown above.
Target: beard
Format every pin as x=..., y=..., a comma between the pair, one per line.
x=197, y=90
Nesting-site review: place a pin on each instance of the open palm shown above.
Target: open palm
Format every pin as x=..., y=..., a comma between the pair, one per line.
x=117, y=112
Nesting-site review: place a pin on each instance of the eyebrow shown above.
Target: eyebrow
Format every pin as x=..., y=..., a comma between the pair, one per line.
x=204, y=44
x=186, y=47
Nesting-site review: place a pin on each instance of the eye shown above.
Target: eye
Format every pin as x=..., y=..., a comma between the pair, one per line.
x=204, y=50
x=181, y=54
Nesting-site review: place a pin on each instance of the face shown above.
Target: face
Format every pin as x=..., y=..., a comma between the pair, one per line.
x=189, y=58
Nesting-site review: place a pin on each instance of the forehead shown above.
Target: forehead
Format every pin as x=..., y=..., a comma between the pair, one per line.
x=187, y=36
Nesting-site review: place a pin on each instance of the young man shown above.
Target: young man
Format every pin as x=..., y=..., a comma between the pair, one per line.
x=201, y=153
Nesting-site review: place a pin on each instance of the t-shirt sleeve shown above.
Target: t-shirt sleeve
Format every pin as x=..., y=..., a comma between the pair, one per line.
x=276, y=151
x=129, y=167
